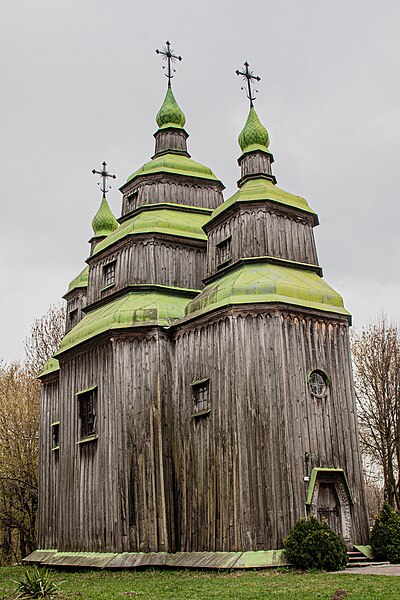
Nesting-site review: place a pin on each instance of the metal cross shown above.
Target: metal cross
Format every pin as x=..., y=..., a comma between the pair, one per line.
x=250, y=77
x=104, y=174
x=168, y=54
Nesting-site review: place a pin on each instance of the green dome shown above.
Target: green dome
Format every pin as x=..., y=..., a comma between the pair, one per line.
x=162, y=219
x=157, y=306
x=259, y=281
x=175, y=164
x=170, y=115
x=104, y=221
x=253, y=136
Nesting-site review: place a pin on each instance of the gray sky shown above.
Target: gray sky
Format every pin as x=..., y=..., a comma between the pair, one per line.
x=81, y=83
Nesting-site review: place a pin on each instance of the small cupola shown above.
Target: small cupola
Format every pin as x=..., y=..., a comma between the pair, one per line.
x=256, y=158
x=104, y=221
x=171, y=136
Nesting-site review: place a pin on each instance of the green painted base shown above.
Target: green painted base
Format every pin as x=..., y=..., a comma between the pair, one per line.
x=182, y=560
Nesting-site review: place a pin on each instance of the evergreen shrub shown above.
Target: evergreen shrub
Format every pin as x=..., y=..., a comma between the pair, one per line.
x=385, y=535
x=313, y=545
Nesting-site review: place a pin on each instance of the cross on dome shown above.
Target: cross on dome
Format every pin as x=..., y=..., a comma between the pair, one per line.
x=249, y=76
x=104, y=174
x=167, y=54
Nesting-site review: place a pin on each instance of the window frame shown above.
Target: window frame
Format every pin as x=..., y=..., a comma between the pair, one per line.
x=202, y=405
x=55, y=437
x=107, y=268
x=326, y=384
x=87, y=398
x=224, y=253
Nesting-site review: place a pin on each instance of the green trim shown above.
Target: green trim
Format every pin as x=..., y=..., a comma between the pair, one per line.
x=134, y=309
x=168, y=206
x=283, y=262
x=55, y=448
x=313, y=479
x=261, y=189
x=366, y=550
x=176, y=164
x=81, y=281
x=107, y=287
x=51, y=366
x=199, y=381
x=55, y=423
x=201, y=413
x=266, y=282
x=166, y=220
x=91, y=438
x=94, y=387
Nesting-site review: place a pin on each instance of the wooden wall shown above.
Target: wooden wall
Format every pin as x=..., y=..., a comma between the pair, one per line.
x=159, y=479
x=114, y=493
x=48, y=529
x=262, y=231
x=154, y=260
x=240, y=470
x=171, y=188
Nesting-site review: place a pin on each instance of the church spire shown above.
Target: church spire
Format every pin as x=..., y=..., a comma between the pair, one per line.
x=170, y=137
x=256, y=159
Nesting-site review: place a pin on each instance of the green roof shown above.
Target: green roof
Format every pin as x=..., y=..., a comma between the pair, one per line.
x=177, y=164
x=81, y=281
x=166, y=220
x=104, y=221
x=263, y=189
x=253, y=136
x=170, y=115
x=258, y=281
x=157, y=306
x=51, y=366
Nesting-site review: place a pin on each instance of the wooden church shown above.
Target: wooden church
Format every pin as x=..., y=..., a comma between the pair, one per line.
x=202, y=398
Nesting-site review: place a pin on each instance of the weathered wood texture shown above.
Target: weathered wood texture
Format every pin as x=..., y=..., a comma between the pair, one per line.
x=240, y=470
x=49, y=466
x=170, y=188
x=114, y=493
x=262, y=231
x=147, y=261
x=143, y=371
x=171, y=139
x=255, y=163
x=90, y=473
x=76, y=303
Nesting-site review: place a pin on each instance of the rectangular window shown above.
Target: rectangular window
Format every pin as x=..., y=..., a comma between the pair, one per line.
x=109, y=274
x=87, y=412
x=132, y=201
x=55, y=434
x=224, y=251
x=201, y=395
x=73, y=317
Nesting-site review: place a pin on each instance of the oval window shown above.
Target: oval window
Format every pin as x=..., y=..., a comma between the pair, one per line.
x=318, y=383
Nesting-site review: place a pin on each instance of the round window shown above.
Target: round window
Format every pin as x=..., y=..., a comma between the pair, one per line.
x=318, y=384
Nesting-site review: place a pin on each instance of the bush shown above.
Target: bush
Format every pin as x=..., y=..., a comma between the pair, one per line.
x=36, y=583
x=313, y=545
x=385, y=536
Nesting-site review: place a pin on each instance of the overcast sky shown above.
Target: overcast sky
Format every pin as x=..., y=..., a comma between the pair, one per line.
x=81, y=83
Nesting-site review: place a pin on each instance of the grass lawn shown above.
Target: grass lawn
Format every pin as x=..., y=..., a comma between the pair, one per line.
x=187, y=585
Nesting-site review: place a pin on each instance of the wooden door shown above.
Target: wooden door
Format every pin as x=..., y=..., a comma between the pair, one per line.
x=329, y=506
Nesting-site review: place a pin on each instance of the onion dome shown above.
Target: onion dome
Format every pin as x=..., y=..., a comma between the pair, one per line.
x=104, y=221
x=253, y=136
x=170, y=115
